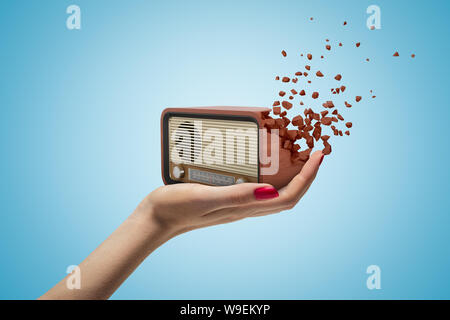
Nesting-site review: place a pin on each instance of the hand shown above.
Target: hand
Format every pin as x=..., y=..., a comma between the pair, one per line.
x=183, y=207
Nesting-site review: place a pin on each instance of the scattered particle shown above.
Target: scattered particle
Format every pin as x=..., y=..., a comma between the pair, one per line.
x=343, y=88
x=367, y=59
x=345, y=23
x=309, y=56
x=286, y=104
x=291, y=97
x=347, y=132
x=277, y=110
x=308, y=67
x=284, y=53
x=413, y=55
x=340, y=44
x=302, y=93
x=293, y=91
x=319, y=74
x=298, y=73
x=372, y=27
x=349, y=125
x=276, y=103
x=348, y=105
x=286, y=79
x=315, y=95
x=328, y=47
x=396, y=54
x=338, y=77
x=358, y=98
x=281, y=93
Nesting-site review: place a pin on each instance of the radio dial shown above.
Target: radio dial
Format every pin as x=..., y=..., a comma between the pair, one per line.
x=178, y=172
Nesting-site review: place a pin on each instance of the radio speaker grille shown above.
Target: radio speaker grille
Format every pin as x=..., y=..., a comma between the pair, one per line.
x=228, y=146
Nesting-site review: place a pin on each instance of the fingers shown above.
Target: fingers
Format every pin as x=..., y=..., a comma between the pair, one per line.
x=287, y=199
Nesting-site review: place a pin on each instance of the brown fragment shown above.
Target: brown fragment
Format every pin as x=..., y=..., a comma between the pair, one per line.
x=284, y=113
x=301, y=103
x=413, y=55
x=286, y=79
x=340, y=44
x=349, y=125
x=286, y=104
x=328, y=47
x=327, y=149
x=293, y=91
x=304, y=155
x=347, y=132
x=281, y=93
x=316, y=133
x=298, y=73
x=374, y=97
x=291, y=134
x=338, y=77
x=324, y=113
x=340, y=117
x=295, y=147
x=294, y=80
x=276, y=103
x=325, y=137
x=302, y=93
x=343, y=88
x=345, y=23
x=358, y=98
x=315, y=95
x=277, y=78
x=297, y=121
x=334, y=119
x=326, y=121
x=372, y=27
x=309, y=56
x=277, y=110
x=308, y=67
x=358, y=44
x=396, y=54
x=335, y=112
x=291, y=97
x=284, y=53
x=319, y=74
x=305, y=74
x=348, y=105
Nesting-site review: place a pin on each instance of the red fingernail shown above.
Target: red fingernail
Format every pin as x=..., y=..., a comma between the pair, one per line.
x=265, y=193
x=321, y=159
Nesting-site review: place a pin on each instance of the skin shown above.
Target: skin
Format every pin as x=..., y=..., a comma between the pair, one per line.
x=167, y=212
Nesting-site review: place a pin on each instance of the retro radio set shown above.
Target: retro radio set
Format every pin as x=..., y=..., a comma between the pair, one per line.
x=222, y=146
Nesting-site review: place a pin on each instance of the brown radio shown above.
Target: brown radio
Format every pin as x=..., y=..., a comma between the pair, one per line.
x=223, y=146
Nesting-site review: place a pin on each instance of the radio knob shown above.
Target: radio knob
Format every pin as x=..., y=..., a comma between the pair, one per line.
x=178, y=172
x=240, y=180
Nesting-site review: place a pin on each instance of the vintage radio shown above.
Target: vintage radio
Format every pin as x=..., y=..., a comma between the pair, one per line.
x=223, y=146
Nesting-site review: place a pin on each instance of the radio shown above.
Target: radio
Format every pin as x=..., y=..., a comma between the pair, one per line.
x=223, y=146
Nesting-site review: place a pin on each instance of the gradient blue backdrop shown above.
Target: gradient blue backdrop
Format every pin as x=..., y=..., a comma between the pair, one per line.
x=80, y=144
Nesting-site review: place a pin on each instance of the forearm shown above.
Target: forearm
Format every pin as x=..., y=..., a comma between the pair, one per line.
x=108, y=266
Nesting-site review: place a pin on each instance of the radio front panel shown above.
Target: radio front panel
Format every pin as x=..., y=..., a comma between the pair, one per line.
x=212, y=150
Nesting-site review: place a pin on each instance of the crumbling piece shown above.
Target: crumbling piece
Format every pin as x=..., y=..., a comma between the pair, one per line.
x=286, y=79
x=308, y=67
x=302, y=93
x=358, y=44
x=348, y=105
x=396, y=54
x=347, y=132
x=277, y=110
x=276, y=103
x=326, y=121
x=319, y=74
x=297, y=121
x=298, y=73
x=309, y=56
x=284, y=53
x=281, y=93
x=315, y=95
x=293, y=91
x=286, y=104
x=358, y=98
x=349, y=125
x=277, y=78
x=328, y=47
x=327, y=149
x=338, y=77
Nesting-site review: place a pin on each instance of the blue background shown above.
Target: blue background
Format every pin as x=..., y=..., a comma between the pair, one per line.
x=79, y=139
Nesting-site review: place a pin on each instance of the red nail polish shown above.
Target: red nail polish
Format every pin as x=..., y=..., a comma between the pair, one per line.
x=265, y=193
x=321, y=159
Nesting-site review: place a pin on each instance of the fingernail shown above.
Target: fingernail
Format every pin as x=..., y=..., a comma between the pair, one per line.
x=265, y=193
x=321, y=159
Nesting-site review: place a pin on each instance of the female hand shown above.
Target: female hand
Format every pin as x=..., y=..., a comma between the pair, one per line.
x=171, y=210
